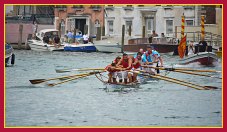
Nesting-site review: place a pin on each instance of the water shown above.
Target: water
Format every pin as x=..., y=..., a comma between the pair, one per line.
x=84, y=102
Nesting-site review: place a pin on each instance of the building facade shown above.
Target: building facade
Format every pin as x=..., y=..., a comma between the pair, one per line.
x=161, y=18
x=84, y=18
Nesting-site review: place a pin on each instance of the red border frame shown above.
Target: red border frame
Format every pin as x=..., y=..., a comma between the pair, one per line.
x=99, y=2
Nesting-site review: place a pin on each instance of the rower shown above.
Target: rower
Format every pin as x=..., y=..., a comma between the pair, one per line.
x=126, y=63
x=147, y=60
x=113, y=70
x=141, y=51
x=157, y=57
x=137, y=61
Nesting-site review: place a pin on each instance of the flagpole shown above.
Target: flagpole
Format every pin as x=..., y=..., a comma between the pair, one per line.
x=202, y=28
x=182, y=25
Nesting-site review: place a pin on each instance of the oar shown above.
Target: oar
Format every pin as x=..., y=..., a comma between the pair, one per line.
x=82, y=69
x=37, y=81
x=74, y=78
x=192, y=73
x=177, y=81
x=182, y=69
x=205, y=87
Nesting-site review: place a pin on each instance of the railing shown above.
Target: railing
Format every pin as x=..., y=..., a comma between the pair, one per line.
x=212, y=39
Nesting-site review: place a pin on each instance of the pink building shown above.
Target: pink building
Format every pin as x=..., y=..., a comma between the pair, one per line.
x=84, y=18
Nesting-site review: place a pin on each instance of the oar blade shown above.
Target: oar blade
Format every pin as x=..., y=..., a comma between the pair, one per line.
x=210, y=87
x=61, y=71
x=37, y=81
x=51, y=84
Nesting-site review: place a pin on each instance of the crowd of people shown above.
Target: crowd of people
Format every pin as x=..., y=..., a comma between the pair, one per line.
x=70, y=37
x=123, y=69
x=52, y=40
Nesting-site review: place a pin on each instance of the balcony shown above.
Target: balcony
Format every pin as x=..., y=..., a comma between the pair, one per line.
x=109, y=7
x=189, y=7
x=61, y=8
x=128, y=8
x=96, y=8
x=168, y=7
x=78, y=7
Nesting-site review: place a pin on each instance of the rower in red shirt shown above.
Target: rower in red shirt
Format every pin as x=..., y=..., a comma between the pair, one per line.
x=126, y=63
x=112, y=69
x=137, y=61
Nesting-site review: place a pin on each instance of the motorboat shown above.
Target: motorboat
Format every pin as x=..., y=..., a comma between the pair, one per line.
x=38, y=44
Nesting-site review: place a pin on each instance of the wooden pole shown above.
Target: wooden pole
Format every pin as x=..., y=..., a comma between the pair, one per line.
x=103, y=31
x=130, y=30
x=59, y=30
x=20, y=36
x=98, y=35
x=143, y=32
x=122, y=38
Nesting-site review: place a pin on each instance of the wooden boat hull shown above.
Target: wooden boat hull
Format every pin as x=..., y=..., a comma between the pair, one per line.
x=204, y=58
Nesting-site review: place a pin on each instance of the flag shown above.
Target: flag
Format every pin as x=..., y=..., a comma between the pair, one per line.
x=182, y=47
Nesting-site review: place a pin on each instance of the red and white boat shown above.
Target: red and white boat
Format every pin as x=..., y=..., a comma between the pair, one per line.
x=204, y=58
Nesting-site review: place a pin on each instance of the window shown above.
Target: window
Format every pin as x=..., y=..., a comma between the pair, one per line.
x=110, y=27
x=169, y=26
x=189, y=22
x=128, y=23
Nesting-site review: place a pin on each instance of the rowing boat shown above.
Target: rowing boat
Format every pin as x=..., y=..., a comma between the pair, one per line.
x=119, y=86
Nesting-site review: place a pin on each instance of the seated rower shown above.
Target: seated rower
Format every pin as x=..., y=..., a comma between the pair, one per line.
x=113, y=70
x=126, y=63
x=137, y=61
x=147, y=61
x=157, y=57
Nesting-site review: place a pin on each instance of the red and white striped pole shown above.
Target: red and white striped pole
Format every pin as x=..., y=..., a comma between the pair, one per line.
x=202, y=28
x=182, y=26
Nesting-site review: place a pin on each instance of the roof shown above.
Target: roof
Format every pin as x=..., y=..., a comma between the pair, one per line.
x=48, y=30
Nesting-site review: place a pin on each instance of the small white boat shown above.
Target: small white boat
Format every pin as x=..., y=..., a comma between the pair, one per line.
x=108, y=48
x=38, y=44
x=204, y=58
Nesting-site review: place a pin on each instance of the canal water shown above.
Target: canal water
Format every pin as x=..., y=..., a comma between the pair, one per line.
x=86, y=103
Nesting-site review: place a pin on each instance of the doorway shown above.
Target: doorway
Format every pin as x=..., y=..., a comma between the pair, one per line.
x=149, y=25
x=79, y=24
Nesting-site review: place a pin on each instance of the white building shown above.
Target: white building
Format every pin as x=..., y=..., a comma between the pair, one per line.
x=162, y=19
